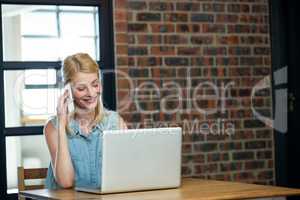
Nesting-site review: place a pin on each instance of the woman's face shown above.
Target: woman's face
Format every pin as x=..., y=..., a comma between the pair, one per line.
x=86, y=90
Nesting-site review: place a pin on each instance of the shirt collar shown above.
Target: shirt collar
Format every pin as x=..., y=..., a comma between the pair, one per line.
x=76, y=131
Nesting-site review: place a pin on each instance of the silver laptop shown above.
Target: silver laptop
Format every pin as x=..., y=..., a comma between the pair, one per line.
x=140, y=159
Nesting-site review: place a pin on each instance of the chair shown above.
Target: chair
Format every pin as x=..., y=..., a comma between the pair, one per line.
x=32, y=173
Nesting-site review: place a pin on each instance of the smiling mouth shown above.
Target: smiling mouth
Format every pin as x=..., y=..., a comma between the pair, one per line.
x=91, y=100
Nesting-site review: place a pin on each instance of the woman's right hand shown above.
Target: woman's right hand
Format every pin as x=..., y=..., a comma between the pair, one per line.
x=58, y=145
x=62, y=108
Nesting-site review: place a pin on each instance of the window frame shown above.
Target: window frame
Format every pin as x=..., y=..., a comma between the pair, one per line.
x=57, y=11
x=106, y=63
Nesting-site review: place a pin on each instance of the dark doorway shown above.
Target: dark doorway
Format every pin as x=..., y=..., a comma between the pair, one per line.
x=284, y=31
x=293, y=62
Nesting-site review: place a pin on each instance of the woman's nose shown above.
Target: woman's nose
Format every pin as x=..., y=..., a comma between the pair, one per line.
x=90, y=91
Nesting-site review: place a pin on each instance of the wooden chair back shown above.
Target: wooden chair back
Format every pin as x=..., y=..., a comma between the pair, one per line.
x=30, y=173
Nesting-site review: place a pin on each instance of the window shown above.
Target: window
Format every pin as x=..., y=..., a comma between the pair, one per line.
x=67, y=29
x=35, y=38
x=46, y=33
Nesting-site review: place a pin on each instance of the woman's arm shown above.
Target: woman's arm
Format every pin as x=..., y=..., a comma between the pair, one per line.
x=58, y=147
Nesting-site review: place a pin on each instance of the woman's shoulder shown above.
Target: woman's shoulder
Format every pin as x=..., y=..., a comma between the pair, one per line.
x=51, y=120
x=50, y=125
x=111, y=119
x=111, y=115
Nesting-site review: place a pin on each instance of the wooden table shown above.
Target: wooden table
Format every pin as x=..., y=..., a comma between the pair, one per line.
x=191, y=189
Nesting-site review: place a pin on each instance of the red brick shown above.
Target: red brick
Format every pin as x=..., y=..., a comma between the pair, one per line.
x=161, y=6
x=233, y=39
x=230, y=146
x=149, y=39
x=265, y=175
x=214, y=157
x=227, y=61
x=122, y=50
x=151, y=17
x=237, y=8
x=210, y=168
x=187, y=6
x=242, y=176
x=241, y=28
x=186, y=170
x=201, y=40
x=207, y=7
x=186, y=148
x=188, y=51
x=250, y=165
x=175, y=39
x=240, y=71
x=163, y=50
x=149, y=61
x=121, y=38
x=245, y=134
x=175, y=17
x=199, y=158
x=202, y=61
x=253, y=40
x=121, y=4
x=215, y=51
x=121, y=61
x=259, y=8
x=227, y=18
x=213, y=28
x=222, y=177
x=120, y=15
x=239, y=50
x=137, y=27
x=241, y=113
x=162, y=28
x=187, y=28
x=202, y=17
x=121, y=26
x=270, y=164
x=232, y=166
x=251, y=19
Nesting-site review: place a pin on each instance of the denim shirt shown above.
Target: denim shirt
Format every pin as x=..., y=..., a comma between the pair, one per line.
x=85, y=151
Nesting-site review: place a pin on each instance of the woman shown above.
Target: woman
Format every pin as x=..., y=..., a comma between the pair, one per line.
x=74, y=139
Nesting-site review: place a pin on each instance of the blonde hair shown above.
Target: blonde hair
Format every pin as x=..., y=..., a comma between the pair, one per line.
x=82, y=62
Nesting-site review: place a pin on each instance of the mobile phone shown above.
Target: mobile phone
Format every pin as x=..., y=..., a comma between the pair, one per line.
x=71, y=107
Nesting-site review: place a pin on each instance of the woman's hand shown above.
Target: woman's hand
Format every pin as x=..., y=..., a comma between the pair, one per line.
x=57, y=141
x=62, y=108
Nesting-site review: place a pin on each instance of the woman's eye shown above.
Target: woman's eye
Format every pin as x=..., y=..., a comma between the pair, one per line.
x=95, y=85
x=80, y=89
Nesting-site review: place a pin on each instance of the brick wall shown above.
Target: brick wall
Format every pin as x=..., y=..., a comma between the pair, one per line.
x=195, y=64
